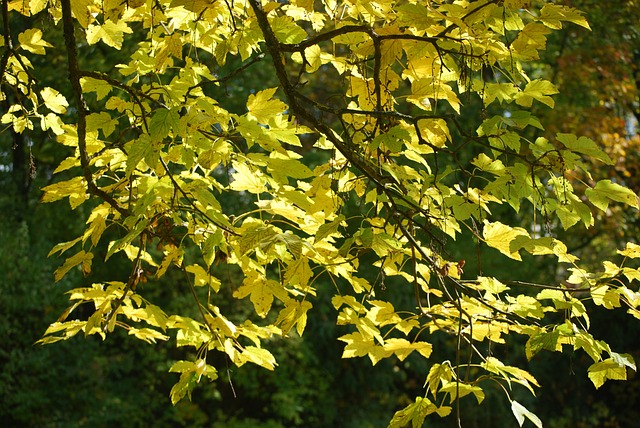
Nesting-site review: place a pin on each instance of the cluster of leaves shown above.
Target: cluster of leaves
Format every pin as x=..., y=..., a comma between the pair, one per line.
x=156, y=145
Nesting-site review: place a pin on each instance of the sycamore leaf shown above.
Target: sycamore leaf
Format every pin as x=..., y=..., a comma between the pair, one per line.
x=460, y=389
x=330, y=228
x=491, y=285
x=538, y=90
x=552, y=16
x=294, y=313
x=438, y=373
x=402, y=347
x=102, y=121
x=162, y=122
x=414, y=413
x=521, y=412
x=54, y=100
x=286, y=30
x=425, y=89
x=203, y=278
x=605, y=370
x=111, y=33
x=82, y=11
x=262, y=107
x=258, y=356
x=31, y=40
x=79, y=258
x=392, y=140
x=585, y=146
x=500, y=236
x=100, y=87
x=185, y=385
x=357, y=345
x=531, y=39
x=498, y=91
x=631, y=250
x=606, y=191
x=261, y=291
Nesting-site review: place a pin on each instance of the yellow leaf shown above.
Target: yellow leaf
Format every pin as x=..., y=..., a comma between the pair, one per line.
x=531, y=39
x=500, y=236
x=53, y=122
x=102, y=121
x=262, y=107
x=81, y=10
x=402, y=348
x=72, y=188
x=54, y=100
x=538, y=90
x=251, y=180
x=100, y=87
x=31, y=40
x=71, y=262
x=110, y=33
x=631, y=250
x=258, y=356
x=552, y=16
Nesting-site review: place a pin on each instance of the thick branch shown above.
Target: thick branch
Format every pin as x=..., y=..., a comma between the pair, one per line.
x=74, y=78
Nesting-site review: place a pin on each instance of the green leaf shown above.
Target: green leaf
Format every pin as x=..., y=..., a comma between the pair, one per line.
x=606, y=191
x=584, y=145
x=330, y=228
x=162, y=122
x=392, y=140
x=102, y=120
x=79, y=258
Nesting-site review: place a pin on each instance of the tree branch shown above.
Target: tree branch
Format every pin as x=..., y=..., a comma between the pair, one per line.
x=74, y=77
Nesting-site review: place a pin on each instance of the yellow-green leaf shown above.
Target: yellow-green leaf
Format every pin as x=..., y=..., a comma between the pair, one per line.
x=605, y=370
x=111, y=33
x=606, y=191
x=262, y=107
x=54, y=100
x=500, y=236
x=538, y=90
x=31, y=40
